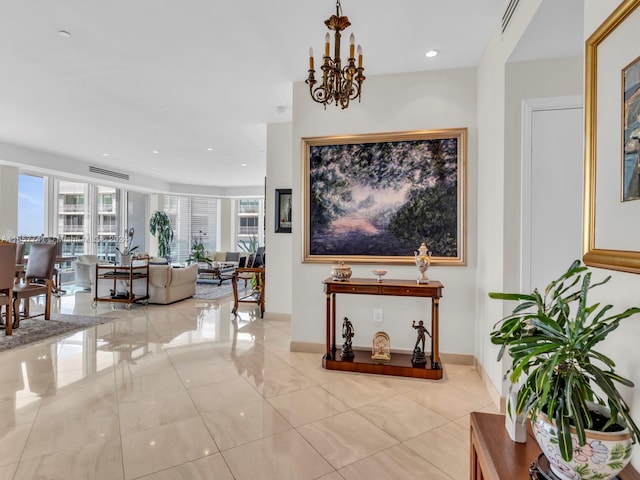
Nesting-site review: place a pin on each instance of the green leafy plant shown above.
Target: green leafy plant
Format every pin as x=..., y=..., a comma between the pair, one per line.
x=551, y=339
x=160, y=227
x=198, y=252
x=249, y=246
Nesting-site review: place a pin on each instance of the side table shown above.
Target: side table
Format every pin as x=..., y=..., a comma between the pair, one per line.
x=494, y=456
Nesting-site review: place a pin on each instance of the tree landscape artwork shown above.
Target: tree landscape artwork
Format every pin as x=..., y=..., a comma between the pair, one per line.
x=374, y=198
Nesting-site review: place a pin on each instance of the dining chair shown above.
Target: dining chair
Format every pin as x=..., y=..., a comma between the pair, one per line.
x=7, y=279
x=38, y=281
x=19, y=261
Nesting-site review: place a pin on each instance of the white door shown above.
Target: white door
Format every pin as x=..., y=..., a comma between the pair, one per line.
x=553, y=164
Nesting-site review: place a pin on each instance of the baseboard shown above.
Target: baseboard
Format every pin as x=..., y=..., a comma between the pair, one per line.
x=497, y=399
x=307, y=347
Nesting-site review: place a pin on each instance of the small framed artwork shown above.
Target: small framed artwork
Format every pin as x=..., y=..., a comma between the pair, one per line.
x=283, y=210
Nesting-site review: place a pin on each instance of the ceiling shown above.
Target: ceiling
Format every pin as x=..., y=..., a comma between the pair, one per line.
x=182, y=91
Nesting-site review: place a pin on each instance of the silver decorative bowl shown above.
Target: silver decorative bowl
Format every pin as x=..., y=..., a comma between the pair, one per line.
x=379, y=274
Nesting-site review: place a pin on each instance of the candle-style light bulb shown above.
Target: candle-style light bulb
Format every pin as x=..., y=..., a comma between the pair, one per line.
x=352, y=45
x=311, y=58
x=327, y=39
x=359, y=56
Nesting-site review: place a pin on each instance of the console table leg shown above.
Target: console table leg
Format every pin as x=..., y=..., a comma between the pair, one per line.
x=435, y=353
x=328, y=319
x=333, y=326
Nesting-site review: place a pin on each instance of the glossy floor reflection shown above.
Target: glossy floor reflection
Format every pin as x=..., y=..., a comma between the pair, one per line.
x=187, y=391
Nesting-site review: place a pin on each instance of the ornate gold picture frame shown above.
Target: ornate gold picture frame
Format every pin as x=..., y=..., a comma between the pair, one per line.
x=610, y=237
x=374, y=198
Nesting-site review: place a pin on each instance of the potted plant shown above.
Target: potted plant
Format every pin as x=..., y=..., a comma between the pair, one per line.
x=160, y=226
x=198, y=252
x=125, y=253
x=551, y=338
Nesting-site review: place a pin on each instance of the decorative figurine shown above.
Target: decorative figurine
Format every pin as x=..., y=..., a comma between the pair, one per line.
x=347, y=334
x=418, y=353
x=423, y=262
x=381, y=348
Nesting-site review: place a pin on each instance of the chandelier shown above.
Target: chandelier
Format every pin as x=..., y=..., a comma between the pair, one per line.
x=339, y=85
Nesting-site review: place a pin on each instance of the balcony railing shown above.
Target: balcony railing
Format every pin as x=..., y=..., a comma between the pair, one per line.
x=106, y=208
x=70, y=229
x=248, y=230
x=71, y=208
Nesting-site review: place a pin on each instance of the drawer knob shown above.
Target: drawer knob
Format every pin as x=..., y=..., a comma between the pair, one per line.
x=353, y=289
x=407, y=291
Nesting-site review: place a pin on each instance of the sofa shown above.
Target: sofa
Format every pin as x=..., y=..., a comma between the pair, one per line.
x=167, y=284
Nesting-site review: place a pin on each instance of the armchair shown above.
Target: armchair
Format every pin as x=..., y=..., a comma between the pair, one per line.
x=84, y=269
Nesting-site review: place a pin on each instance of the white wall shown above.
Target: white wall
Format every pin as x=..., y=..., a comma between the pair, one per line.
x=279, y=246
x=9, y=201
x=418, y=101
x=491, y=183
x=622, y=290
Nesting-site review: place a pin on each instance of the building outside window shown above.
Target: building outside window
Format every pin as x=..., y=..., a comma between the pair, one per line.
x=72, y=213
x=250, y=224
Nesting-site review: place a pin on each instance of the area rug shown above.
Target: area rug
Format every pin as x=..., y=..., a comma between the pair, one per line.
x=210, y=290
x=37, y=329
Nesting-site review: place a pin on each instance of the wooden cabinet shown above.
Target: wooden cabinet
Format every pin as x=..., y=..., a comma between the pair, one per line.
x=494, y=456
x=400, y=364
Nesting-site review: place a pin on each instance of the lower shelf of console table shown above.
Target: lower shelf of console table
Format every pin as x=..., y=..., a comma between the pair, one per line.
x=399, y=365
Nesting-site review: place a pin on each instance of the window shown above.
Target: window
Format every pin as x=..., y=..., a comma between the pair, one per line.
x=250, y=224
x=72, y=215
x=191, y=217
x=31, y=203
x=108, y=230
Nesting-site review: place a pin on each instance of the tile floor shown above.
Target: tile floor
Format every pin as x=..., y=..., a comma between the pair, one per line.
x=186, y=391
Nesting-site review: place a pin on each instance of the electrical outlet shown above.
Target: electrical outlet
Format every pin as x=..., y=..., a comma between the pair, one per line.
x=377, y=315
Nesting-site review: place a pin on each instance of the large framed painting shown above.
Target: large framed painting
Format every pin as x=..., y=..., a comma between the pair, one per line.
x=612, y=142
x=374, y=198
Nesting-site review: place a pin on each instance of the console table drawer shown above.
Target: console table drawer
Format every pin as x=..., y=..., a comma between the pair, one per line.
x=347, y=288
x=406, y=291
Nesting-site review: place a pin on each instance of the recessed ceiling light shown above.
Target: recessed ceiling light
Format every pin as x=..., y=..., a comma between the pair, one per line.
x=105, y=154
x=209, y=149
x=156, y=151
x=431, y=53
x=64, y=33
x=243, y=164
x=154, y=168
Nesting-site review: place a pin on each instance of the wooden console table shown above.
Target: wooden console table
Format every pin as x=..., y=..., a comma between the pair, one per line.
x=494, y=456
x=400, y=364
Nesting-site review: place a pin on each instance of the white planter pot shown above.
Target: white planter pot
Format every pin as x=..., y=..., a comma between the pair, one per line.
x=602, y=457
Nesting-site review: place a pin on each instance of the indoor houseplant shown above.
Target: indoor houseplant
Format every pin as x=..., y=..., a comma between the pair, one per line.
x=551, y=338
x=198, y=252
x=160, y=227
